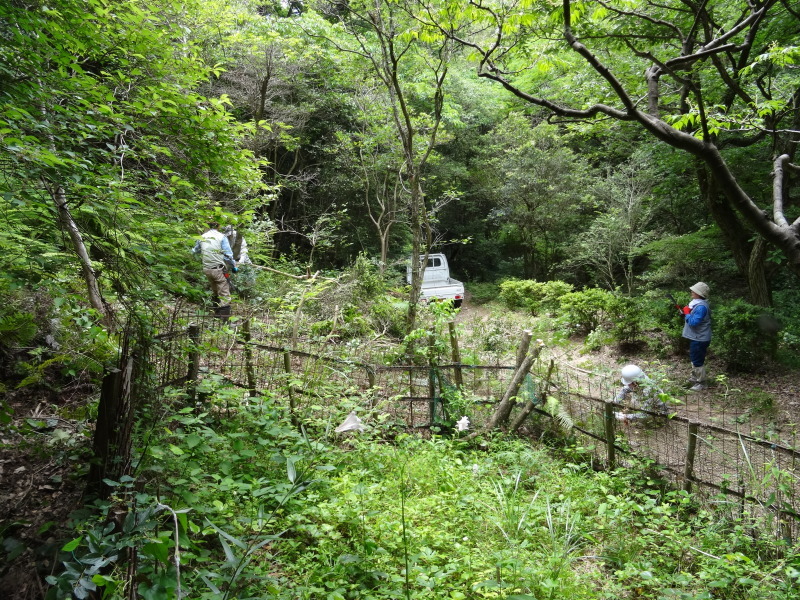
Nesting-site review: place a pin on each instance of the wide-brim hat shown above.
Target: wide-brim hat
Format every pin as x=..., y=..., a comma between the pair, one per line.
x=701, y=289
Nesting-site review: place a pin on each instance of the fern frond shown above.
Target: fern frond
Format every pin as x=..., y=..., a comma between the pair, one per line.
x=560, y=415
x=17, y=329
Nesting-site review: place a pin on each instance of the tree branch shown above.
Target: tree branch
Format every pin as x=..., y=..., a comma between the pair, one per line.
x=778, y=178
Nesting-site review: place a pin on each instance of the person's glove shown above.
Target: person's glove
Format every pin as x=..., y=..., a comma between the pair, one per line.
x=235, y=269
x=686, y=310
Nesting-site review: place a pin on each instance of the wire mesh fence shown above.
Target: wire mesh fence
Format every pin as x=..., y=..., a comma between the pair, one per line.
x=704, y=442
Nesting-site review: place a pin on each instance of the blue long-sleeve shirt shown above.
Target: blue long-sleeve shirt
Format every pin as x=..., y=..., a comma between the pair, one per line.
x=698, y=322
x=698, y=313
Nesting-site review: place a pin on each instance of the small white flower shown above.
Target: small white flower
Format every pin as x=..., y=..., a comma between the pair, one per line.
x=475, y=469
x=351, y=423
x=462, y=424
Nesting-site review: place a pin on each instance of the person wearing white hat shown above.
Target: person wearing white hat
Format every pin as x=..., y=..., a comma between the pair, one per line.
x=638, y=392
x=697, y=329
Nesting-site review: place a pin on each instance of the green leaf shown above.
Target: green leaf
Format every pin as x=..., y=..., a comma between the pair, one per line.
x=70, y=546
x=175, y=450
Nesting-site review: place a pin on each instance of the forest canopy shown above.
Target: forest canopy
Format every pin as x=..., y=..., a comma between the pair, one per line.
x=592, y=129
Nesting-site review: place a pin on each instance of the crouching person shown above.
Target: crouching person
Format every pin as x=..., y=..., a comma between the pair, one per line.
x=639, y=392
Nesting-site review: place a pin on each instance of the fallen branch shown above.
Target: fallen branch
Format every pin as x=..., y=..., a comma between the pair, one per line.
x=503, y=410
x=531, y=404
x=298, y=277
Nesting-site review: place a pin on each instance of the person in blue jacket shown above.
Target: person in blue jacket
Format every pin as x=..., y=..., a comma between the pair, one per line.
x=697, y=329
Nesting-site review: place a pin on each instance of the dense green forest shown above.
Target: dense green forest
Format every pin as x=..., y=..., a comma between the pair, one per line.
x=577, y=162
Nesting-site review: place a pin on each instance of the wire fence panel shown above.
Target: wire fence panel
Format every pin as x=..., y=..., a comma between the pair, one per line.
x=313, y=377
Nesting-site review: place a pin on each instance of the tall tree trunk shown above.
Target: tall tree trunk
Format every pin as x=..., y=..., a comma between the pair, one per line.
x=749, y=257
x=417, y=265
x=757, y=284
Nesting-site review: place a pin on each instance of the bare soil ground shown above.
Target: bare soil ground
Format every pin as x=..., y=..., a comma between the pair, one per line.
x=43, y=455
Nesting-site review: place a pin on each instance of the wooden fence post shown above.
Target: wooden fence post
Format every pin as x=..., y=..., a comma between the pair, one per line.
x=524, y=345
x=193, y=371
x=610, y=421
x=457, y=374
x=688, y=467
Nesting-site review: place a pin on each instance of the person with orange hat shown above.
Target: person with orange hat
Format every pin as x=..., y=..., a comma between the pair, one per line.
x=697, y=329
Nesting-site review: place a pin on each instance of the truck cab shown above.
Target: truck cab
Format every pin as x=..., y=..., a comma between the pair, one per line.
x=436, y=281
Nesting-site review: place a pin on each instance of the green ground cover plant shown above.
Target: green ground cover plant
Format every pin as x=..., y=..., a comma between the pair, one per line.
x=233, y=501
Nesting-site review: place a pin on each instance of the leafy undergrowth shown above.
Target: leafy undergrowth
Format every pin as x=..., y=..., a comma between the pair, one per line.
x=232, y=501
x=262, y=510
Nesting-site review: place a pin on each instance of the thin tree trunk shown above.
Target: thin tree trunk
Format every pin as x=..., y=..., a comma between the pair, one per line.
x=749, y=258
x=68, y=223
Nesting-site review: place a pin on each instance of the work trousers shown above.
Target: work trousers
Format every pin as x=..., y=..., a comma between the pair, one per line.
x=219, y=284
x=697, y=352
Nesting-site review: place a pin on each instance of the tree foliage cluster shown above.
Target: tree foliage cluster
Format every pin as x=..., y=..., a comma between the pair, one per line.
x=324, y=131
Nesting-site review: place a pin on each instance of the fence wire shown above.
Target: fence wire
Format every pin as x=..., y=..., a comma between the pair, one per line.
x=737, y=450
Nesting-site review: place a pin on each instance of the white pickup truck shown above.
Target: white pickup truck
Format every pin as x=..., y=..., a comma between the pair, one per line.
x=437, y=283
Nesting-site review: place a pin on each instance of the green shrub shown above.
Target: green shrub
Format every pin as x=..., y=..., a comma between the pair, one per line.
x=366, y=274
x=515, y=292
x=16, y=328
x=583, y=312
x=389, y=316
x=743, y=335
x=787, y=312
x=535, y=296
x=551, y=293
x=350, y=325
x=625, y=316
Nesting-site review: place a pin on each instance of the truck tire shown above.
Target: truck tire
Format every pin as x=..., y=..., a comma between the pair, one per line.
x=457, y=303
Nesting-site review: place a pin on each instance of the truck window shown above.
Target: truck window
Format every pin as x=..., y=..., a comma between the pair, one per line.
x=434, y=262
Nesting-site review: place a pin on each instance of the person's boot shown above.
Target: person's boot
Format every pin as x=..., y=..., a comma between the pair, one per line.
x=223, y=312
x=699, y=379
x=693, y=380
